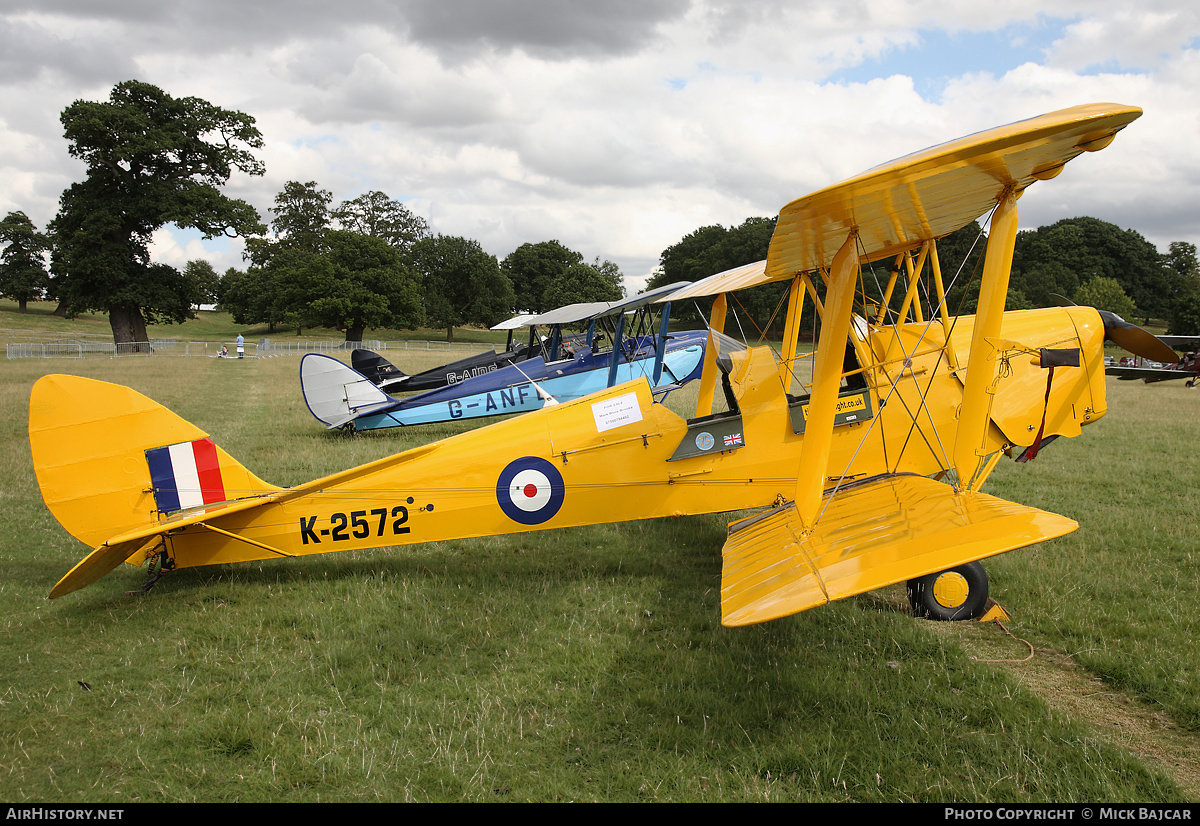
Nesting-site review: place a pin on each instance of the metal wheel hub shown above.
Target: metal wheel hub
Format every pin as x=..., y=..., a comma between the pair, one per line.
x=951, y=589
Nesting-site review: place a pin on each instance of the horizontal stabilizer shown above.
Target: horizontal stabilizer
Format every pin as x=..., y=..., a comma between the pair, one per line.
x=337, y=394
x=98, y=563
x=872, y=534
x=125, y=547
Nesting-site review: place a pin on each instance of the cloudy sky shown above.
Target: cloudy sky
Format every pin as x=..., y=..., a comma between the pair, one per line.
x=614, y=126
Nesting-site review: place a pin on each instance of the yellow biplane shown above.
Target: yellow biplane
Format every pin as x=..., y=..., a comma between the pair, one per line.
x=870, y=475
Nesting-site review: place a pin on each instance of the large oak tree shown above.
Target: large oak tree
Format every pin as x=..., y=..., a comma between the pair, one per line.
x=151, y=160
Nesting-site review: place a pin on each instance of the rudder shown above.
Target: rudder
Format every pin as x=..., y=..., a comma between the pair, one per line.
x=376, y=368
x=337, y=394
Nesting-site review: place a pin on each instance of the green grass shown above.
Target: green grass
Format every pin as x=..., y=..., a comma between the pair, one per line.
x=206, y=326
x=586, y=664
x=1120, y=595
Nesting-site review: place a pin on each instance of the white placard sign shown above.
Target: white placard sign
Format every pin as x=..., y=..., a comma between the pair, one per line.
x=616, y=411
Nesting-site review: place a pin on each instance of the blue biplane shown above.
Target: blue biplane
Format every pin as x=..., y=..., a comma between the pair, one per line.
x=564, y=369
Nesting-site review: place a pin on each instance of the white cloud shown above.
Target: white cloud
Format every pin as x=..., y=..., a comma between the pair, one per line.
x=615, y=127
x=1140, y=37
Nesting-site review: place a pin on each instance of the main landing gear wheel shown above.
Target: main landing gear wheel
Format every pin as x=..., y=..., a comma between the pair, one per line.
x=957, y=594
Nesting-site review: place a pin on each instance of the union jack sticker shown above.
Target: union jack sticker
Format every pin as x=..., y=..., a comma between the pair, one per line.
x=733, y=440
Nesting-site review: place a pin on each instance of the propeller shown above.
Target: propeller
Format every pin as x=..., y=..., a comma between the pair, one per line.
x=1129, y=337
x=1134, y=339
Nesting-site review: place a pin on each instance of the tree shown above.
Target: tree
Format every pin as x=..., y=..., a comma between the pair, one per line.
x=226, y=285
x=1181, y=257
x=1059, y=258
x=533, y=268
x=377, y=215
x=356, y=283
x=23, y=275
x=362, y=283
x=1185, y=312
x=610, y=286
x=582, y=283
x=1185, y=299
x=713, y=249
x=313, y=275
x=151, y=160
x=205, y=282
x=1105, y=294
x=302, y=215
x=743, y=244
x=268, y=292
x=683, y=261
x=243, y=297
x=461, y=283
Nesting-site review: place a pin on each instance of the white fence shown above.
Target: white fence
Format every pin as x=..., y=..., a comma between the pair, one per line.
x=264, y=348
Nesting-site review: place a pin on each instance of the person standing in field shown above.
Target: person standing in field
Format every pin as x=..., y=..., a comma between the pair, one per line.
x=241, y=345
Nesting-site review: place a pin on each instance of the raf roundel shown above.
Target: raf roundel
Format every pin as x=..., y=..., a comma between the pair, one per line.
x=530, y=490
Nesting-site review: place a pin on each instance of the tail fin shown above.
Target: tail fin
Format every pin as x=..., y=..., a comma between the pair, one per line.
x=337, y=394
x=376, y=368
x=110, y=461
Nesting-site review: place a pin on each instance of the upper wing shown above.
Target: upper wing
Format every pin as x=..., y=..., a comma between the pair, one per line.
x=922, y=196
x=1181, y=342
x=931, y=193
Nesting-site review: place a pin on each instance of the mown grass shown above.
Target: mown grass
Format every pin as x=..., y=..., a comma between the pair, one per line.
x=571, y=665
x=208, y=326
x=1120, y=594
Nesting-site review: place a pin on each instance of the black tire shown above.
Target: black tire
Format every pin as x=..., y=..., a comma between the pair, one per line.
x=957, y=594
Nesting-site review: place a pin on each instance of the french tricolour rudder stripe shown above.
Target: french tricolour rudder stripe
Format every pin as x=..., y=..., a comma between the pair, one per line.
x=185, y=475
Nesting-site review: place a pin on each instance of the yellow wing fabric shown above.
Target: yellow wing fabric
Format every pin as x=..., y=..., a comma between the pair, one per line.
x=738, y=278
x=875, y=534
x=931, y=193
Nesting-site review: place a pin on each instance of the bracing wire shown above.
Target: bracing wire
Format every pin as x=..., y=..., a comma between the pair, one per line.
x=934, y=314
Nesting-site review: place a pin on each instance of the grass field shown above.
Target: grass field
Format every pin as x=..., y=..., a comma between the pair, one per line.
x=591, y=664
x=206, y=326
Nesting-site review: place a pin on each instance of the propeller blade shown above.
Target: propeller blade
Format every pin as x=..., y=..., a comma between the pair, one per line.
x=1134, y=339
